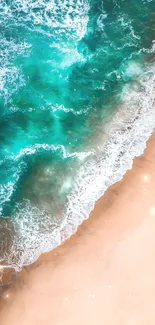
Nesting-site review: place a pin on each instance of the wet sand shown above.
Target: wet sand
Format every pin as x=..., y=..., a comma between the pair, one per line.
x=105, y=273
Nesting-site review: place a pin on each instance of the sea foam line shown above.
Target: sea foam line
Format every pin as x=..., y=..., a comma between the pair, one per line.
x=128, y=136
x=105, y=169
x=128, y=132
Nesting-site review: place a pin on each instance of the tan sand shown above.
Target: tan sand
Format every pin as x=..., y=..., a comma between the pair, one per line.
x=105, y=274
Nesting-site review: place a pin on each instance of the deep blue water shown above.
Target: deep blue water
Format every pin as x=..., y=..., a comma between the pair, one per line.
x=63, y=67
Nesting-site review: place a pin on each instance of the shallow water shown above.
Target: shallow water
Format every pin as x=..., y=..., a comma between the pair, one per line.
x=74, y=77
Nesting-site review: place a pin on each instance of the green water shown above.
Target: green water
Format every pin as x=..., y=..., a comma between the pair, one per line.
x=63, y=65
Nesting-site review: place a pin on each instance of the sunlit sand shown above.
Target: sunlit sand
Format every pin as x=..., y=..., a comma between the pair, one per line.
x=102, y=275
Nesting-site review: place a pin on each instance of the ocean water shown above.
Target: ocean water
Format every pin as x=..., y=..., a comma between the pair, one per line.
x=77, y=104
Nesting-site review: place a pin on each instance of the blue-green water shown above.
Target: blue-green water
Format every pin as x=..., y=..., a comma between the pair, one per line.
x=66, y=68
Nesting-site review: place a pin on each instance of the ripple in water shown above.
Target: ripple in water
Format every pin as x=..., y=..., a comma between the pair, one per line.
x=76, y=105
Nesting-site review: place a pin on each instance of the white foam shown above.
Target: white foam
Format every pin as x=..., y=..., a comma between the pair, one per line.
x=56, y=108
x=70, y=14
x=64, y=19
x=115, y=157
x=133, y=69
x=7, y=189
x=128, y=132
x=65, y=153
x=100, y=20
x=11, y=77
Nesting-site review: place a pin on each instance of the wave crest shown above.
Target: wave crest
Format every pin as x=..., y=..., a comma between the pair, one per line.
x=127, y=132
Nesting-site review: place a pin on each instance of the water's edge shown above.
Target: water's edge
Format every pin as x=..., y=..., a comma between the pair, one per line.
x=127, y=141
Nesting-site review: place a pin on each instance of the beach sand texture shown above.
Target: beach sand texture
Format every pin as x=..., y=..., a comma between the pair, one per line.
x=104, y=274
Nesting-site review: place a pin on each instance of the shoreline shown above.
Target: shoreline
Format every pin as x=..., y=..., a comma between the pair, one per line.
x=126, y=136
x=97, y=237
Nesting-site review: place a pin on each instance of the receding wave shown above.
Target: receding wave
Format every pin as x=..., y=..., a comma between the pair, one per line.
x=33, y=231
x=77, y=104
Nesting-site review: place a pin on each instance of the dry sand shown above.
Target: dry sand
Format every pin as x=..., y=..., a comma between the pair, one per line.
x=105, y=274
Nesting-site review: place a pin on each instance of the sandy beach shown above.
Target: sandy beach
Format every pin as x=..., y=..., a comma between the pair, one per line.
x=104, y=274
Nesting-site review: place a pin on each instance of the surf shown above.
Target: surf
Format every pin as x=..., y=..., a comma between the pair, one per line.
x=77, y=105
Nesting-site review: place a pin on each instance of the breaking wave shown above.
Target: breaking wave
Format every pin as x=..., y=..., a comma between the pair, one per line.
x=77, y=99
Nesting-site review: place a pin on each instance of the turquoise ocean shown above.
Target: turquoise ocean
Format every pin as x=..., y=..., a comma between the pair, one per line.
x=77, y=104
